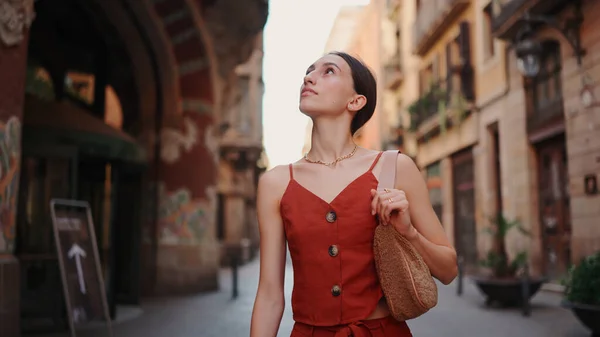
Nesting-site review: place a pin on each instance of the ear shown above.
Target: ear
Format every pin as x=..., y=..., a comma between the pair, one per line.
x=357, y=103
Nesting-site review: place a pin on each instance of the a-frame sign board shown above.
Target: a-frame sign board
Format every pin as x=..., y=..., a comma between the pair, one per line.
x=79, y=262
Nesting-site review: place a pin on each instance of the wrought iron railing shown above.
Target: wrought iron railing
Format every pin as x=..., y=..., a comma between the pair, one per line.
x=441, y=97
x=545, y=113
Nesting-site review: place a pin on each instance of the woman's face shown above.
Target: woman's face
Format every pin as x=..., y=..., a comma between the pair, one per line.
x=328, y=88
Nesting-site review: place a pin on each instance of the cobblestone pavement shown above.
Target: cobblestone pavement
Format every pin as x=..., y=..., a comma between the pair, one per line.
x=217, y=315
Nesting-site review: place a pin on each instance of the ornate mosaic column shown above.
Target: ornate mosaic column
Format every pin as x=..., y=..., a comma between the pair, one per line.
x=16, y=17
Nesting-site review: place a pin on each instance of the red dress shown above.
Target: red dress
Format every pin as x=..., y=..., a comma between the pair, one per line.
x=331, y=247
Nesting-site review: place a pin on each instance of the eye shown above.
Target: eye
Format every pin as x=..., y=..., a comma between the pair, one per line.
x=329, y=70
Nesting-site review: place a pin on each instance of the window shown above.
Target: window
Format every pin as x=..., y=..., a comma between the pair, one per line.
x=488, y=38
x=547, y=87
x=544, y=102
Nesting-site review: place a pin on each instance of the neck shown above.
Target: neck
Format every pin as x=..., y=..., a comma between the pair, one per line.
x=329, y=142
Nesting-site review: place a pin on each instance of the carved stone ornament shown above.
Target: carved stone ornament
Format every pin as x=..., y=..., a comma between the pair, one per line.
x=15, y=17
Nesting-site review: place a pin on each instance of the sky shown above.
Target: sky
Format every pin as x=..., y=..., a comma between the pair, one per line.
x=294, y=37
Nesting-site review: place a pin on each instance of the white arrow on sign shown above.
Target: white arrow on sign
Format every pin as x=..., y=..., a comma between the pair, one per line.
x=77, y=253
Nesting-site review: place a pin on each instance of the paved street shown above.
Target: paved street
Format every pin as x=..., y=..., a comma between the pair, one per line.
x=216, y=315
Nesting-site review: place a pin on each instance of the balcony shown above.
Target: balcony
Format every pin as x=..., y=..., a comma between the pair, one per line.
x=444, y=104
x=545, y=116
x=393, y=74
x=433, y=19
x=507, y=14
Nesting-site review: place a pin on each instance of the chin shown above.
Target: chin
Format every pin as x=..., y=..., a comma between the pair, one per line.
x=308, y=109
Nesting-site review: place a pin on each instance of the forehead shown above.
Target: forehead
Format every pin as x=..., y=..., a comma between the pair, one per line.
x=332, y=59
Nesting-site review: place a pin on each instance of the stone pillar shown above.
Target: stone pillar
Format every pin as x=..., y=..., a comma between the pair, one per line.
x=238, y=189
x=15, y=19
x=187, y=250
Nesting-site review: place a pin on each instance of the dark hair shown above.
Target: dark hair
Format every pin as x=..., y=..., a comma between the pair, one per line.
x=364, y=84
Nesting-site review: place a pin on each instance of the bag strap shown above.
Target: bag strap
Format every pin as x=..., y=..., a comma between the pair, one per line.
x=387, y=177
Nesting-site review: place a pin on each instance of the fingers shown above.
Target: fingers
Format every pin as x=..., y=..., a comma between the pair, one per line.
x=379, y=199
x=385, y=207
x=388, y=209
x=385, y=202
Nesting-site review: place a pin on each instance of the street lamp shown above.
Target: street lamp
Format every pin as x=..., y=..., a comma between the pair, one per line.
x=528, y=57
x=528, y=50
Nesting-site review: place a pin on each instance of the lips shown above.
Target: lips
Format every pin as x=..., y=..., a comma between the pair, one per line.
x=308, y=92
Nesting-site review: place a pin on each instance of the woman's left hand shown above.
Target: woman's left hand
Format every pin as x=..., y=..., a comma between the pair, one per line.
x=391, y=206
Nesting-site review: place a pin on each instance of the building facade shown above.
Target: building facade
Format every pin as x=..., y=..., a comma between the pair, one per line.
x=341, y=36
x=400, y=74
x=501, y=127
x=150, y=112
x=441, y=120
x=550, y=121
x=357, y=31
x=379, y=34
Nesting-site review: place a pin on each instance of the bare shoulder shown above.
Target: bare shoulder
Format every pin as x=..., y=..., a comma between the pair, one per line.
x=410, y=173
x=405, y=164
x=274, y=181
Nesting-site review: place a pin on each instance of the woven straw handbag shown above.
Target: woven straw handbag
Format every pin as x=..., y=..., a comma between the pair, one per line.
x=407, y=284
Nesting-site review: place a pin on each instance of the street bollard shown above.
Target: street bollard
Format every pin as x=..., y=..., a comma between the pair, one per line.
x=234, y=271
x=525, y=291
x=460, y=275
x=234, y=255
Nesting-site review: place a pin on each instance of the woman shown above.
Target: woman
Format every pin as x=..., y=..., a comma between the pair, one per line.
x=325, y=207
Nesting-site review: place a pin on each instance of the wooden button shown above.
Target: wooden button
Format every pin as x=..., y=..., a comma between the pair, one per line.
x=336, y=290
x=330, y=216
x=333, y=250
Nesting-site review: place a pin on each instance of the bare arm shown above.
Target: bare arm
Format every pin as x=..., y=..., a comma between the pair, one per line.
x=270, y=302
x=430, y=240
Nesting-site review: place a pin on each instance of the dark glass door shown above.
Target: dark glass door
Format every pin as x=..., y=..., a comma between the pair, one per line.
x=555, y=216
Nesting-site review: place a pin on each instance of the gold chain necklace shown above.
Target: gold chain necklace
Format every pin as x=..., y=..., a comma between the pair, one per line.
x=337, y=160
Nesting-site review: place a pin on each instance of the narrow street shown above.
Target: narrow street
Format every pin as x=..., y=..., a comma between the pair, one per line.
x=217, y=315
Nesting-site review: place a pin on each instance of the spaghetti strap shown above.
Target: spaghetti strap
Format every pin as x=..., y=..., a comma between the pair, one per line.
x=376, y=161
x=291, y=172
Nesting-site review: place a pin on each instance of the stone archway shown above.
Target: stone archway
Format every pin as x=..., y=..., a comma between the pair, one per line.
x=179, y=106
x=206, y=41
x=187, y=249
x=197, y=46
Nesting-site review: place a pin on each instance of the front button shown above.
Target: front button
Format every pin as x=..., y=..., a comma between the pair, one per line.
x=333, y=250
x=331, y=216
x=336, y=290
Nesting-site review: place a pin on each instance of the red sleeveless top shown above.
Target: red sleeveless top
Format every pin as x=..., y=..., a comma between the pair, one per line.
x=331, y=247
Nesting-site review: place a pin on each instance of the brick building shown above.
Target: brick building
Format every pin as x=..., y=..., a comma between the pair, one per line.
x=490, y=139
x=148, y=110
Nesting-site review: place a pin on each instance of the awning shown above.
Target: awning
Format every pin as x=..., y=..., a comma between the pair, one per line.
x=64, y=123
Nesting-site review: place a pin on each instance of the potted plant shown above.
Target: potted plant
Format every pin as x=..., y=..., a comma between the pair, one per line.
x=504, y=282
x=582, y=292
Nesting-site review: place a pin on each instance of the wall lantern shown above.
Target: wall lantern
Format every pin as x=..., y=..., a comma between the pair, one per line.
x=529, y=51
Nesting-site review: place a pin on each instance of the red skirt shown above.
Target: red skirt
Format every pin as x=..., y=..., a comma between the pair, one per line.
x=381, y=327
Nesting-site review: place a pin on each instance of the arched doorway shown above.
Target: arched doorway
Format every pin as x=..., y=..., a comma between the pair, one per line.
x=82, y=121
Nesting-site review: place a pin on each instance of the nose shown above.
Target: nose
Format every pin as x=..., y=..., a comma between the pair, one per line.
x=308, y=78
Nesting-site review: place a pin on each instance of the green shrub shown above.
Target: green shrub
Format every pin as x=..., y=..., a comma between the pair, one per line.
x=583, y=282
